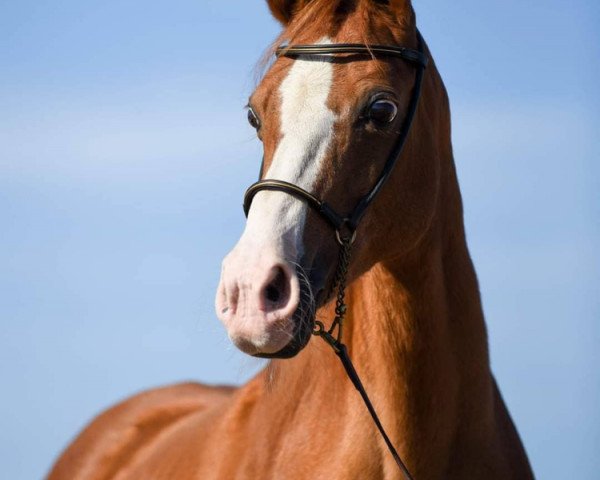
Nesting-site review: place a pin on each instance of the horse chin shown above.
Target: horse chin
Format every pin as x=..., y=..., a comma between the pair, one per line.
x=300, y=339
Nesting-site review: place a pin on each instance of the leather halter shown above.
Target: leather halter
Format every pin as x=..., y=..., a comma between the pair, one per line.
x=350, y=221
x=345, y=226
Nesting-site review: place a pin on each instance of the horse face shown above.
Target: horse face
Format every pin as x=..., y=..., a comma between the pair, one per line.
x=327, y=125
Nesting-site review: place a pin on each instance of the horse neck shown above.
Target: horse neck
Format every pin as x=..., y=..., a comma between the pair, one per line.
x=417, y=337
x=415, y=332
x=416, y=326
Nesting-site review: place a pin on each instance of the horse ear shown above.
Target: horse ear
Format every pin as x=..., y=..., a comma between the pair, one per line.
x=284, y=10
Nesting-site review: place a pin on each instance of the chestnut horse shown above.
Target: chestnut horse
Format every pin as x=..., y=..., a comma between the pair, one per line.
x=414, y=324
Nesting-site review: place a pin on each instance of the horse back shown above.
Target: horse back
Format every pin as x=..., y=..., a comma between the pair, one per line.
x=114, y=438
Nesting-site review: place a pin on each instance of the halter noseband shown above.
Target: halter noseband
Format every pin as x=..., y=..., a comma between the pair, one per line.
x=345, y=226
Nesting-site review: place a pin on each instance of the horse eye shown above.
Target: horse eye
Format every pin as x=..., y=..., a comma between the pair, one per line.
x=382, y=111
x=253, y=119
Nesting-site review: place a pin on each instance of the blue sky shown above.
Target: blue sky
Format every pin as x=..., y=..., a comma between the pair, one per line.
x=124, y=153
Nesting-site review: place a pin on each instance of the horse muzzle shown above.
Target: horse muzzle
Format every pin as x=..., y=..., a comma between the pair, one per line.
x=265, y=303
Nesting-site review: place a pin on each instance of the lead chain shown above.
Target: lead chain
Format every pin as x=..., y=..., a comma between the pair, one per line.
x=340, y=303
x=339, y=282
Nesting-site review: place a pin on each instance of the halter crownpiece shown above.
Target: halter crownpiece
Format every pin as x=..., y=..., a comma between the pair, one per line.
x=345, y=225
x=408, y=54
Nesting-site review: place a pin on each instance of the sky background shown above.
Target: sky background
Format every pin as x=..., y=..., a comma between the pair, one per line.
x=124, y=154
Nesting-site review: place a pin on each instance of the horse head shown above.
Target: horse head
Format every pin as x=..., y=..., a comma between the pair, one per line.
x=329, y=124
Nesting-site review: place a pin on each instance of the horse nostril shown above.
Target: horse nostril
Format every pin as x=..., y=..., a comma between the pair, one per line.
x=272, y=293
x=277, y=289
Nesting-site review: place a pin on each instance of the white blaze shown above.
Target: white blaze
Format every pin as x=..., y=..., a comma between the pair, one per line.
x=306, y=132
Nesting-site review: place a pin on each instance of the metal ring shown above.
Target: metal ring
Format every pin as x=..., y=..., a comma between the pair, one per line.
x=319, y=328
x=344, y=241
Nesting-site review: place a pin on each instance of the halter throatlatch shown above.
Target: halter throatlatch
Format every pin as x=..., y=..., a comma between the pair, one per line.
x=345, y=225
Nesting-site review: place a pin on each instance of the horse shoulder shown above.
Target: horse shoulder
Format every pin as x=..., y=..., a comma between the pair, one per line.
x=114, y=437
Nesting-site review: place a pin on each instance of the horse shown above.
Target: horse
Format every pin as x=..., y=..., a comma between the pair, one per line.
x=329, y=117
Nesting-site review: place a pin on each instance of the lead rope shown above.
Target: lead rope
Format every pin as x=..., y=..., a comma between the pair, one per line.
x=340, y=348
